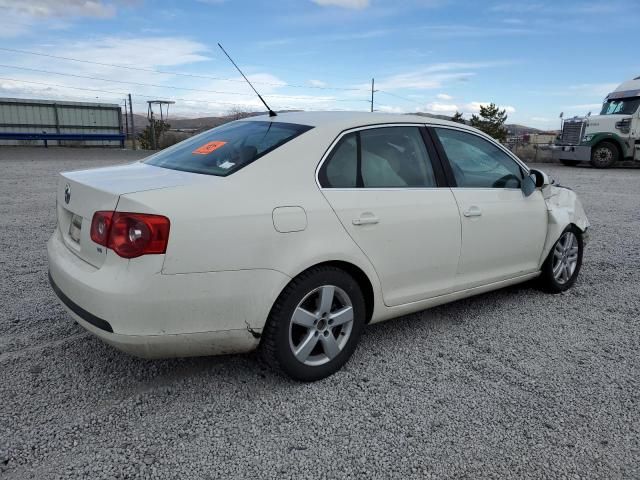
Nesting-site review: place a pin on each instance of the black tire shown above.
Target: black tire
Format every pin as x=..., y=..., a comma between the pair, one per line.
x=570, y=163
x=548, y=280
x=278, y=342
x=604, y=154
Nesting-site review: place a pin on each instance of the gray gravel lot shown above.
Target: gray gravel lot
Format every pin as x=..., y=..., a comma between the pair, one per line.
x=515, y=383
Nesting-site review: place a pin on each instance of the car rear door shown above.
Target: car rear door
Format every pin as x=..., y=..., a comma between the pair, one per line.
x=388, y=189
x=503, y=231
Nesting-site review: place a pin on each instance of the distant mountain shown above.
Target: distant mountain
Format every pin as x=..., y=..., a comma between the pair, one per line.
x=204, y=123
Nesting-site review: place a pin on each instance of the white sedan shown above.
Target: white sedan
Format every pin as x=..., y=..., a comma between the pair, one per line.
x=291, y=233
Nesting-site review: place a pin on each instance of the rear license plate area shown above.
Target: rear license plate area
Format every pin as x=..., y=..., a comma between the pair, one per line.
x=75, y=227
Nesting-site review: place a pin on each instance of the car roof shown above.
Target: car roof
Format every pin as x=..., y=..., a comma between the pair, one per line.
x=345, y=120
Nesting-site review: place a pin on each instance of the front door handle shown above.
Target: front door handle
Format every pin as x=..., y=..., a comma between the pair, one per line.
x=366, y=219
x=473, y=211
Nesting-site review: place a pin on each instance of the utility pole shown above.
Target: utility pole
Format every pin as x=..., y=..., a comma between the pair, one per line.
x=373, y=82
x=133, y=128
x=152, y=124
x=126, y=119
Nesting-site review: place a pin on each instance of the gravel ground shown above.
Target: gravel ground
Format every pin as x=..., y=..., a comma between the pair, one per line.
x=515, y=383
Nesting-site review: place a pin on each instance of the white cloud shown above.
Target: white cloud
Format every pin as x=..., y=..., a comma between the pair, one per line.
x=442, y=107
x=317, y=83
x=352, y=4
x=444, y=96
x=474, y=107
x=139, y=52
x=596, y=89
x=20, y=17
x=434, y=76
x=59, y=8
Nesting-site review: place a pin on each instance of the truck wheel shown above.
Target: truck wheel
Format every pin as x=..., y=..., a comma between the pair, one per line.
x=604, y=155
x=570, y=163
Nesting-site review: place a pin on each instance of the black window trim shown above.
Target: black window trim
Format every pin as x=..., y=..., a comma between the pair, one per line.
x=434, y=157
x=447, y=163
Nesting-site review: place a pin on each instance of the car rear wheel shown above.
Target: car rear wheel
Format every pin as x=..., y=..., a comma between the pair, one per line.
x=604, y=155
x=570, y=163
x=561, y=268
x=315, y=324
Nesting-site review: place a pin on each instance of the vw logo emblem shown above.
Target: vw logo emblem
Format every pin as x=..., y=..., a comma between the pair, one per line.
x=67, y=193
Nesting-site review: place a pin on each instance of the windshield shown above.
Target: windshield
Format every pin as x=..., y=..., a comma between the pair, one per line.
x=620, y=106
x=226, y=149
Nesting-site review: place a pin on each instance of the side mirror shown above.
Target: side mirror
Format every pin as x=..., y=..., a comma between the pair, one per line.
x=528, y=185
x=541, y=178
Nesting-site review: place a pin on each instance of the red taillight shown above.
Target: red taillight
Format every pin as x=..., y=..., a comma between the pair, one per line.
x=100, y=227
x=131, y=235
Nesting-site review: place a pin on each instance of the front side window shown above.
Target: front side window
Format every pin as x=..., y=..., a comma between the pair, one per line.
x=387, y=157
x=478, y=163
x=226, y=149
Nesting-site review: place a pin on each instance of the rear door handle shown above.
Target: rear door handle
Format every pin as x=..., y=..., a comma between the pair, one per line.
x=473, y=211
x=366, y=219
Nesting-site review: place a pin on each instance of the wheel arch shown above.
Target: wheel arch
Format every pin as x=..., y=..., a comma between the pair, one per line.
x=613, y=140
x=361, y=278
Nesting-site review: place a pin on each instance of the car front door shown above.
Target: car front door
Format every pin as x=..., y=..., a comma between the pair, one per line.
x=503, y=231
x=387, y=187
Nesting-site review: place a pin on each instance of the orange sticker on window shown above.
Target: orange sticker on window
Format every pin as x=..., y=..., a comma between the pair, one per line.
x=208, y=148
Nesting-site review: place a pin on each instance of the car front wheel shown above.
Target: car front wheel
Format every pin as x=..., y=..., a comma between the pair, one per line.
x=315, y=324
x=561, y=268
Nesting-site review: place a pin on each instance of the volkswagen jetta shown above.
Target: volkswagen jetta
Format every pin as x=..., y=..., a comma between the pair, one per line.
x=291, y=233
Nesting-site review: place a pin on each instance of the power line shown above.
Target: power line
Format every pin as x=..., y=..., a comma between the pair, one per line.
x=39, y=70
x=398, y=96
x=120, y=94
x=164, y=72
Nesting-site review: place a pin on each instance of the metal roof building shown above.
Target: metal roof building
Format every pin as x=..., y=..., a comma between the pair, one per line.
x=29, y=122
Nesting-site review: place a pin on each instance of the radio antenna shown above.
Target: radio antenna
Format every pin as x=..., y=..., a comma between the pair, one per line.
x=271, y=112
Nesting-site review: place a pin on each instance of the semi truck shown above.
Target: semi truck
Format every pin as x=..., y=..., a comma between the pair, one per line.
x=606, y=138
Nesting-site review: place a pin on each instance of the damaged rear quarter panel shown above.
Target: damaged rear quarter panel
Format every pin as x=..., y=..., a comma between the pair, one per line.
x=563, y=209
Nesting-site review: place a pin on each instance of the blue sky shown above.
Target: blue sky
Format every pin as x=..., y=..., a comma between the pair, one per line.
x=533, y=58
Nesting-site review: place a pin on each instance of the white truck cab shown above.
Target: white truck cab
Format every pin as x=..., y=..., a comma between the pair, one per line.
x=603, y=139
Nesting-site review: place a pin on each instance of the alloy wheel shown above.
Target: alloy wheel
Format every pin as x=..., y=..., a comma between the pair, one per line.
x=321, y=325
x=565, y=257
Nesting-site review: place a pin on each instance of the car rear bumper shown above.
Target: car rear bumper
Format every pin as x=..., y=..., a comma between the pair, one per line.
x=132, y=306
x=571, y=152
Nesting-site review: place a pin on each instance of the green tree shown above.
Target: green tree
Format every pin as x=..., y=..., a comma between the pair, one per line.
x=491, y=121
x=458, y=118
x=146, y=138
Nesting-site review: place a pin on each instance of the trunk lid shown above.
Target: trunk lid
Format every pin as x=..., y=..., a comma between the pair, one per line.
x=82, y=193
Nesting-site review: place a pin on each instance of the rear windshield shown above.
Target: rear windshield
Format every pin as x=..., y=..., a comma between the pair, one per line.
x=226, y=149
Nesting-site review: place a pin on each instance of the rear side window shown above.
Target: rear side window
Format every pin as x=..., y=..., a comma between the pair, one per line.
x=226, y=149
x=386, y=157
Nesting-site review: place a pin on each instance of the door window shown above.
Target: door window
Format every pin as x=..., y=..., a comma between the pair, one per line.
x=478, y=163
x=395, y=157
x=388, y=157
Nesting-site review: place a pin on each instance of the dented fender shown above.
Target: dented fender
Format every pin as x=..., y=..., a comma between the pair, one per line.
x=563, y=209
